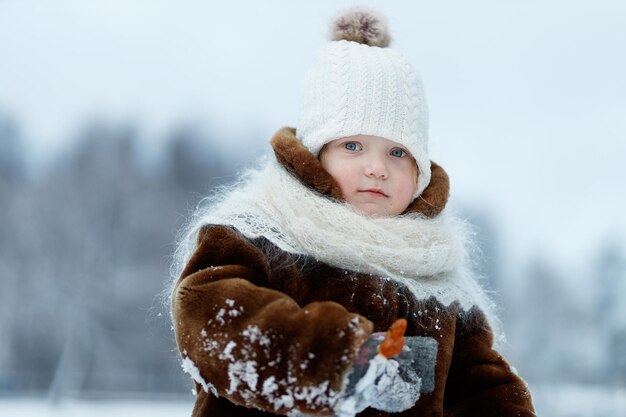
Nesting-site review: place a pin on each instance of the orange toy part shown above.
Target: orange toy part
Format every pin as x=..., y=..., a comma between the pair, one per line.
x=394, y=339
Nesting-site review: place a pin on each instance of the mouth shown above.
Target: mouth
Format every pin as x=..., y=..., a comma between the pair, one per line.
x=375, y=192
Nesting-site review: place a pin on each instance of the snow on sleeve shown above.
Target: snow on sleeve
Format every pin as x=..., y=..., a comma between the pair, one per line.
x=253, y=365
x=243, y=372
x=280, y=392
x=225, y=314
x=191, y=368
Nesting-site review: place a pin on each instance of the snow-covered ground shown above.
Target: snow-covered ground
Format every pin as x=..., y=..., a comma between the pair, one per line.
x=550, y=400
x=22, y=407
x=579, y=401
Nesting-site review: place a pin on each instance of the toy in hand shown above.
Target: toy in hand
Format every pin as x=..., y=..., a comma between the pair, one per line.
x=393, y=342
x=378, y=381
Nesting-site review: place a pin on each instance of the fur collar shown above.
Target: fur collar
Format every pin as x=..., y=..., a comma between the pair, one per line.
x=305, y=166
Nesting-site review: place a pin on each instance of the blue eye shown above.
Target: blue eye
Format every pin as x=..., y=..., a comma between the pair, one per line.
x=352, y=146
x=397, y=152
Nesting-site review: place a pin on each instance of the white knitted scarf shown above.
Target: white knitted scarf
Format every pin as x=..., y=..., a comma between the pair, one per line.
x=427, y=255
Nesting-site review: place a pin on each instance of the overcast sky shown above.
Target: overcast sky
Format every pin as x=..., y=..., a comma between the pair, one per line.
x=527, y=98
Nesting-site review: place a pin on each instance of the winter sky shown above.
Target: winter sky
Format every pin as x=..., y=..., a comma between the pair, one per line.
x=527, y=98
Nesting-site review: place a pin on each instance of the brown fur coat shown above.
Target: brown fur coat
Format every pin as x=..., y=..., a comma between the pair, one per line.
x=268, y=332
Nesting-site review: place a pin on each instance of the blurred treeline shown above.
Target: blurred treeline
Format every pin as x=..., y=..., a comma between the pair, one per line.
x=85, y=247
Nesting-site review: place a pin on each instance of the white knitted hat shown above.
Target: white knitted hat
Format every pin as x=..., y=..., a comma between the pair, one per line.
x=359, y=86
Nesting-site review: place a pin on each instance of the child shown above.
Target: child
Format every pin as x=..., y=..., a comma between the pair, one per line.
x=287, y=275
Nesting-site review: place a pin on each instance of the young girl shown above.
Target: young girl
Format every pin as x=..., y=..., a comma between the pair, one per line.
x=284, y=278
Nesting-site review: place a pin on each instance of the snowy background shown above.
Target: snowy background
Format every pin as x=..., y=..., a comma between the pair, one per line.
x=116, y=117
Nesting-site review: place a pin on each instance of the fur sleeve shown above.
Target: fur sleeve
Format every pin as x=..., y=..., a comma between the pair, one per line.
x=480, y=382
x=253, y=345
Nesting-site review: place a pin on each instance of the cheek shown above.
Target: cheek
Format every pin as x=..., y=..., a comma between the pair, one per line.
x=342, y=175
x=409, y=189
x=406, y=175
x=406, y=186
x=336, y=169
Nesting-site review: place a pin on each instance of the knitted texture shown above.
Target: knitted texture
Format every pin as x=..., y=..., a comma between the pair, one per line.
x=355, y=89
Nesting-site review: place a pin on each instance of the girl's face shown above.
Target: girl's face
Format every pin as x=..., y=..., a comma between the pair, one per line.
x=376, y=175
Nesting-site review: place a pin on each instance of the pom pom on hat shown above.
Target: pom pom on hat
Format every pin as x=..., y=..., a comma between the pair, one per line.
x=361, y=25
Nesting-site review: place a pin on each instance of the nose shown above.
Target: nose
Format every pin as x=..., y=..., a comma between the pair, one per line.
x=376, y=168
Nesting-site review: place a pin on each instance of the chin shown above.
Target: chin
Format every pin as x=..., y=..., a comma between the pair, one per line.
x=374, y=212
